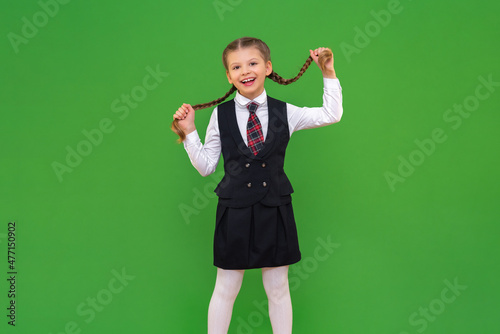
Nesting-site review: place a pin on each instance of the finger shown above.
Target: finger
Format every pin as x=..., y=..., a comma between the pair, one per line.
x=181, y=114
x=187, y=107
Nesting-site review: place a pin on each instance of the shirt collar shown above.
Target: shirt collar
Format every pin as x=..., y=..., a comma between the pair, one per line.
x=243, y=101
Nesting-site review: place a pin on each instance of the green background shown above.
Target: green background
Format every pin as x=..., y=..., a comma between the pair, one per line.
x=120, y=208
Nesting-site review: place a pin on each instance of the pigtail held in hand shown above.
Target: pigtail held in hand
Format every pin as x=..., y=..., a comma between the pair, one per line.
x=177, y=129
x=245, y=42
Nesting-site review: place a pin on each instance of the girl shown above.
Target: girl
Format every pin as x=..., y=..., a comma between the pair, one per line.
x=255, y=226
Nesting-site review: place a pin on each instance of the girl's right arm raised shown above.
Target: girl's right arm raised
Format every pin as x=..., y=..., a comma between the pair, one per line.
x=204, y=158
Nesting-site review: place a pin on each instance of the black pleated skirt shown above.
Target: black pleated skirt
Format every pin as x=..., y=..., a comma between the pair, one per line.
x=255, y=237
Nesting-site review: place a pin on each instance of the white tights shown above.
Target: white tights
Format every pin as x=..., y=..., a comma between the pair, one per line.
x=227, y=286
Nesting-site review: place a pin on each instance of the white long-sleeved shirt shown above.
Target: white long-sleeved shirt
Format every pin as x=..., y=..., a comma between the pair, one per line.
x=205, y=158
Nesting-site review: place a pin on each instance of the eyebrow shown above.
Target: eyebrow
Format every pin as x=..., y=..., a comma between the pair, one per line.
x=238, y=62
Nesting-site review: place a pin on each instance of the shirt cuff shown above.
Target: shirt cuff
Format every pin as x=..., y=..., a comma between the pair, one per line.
x=192, y=138
x=331, y=83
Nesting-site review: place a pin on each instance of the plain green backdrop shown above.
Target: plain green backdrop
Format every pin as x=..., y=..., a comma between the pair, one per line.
x=396, y=206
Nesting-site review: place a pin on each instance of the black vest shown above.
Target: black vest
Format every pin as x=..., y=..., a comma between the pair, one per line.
x=250, y=178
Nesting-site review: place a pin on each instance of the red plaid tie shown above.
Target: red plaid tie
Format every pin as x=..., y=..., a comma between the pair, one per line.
x=254, y=130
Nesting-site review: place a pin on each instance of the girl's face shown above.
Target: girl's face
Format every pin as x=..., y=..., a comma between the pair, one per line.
x=247, y=63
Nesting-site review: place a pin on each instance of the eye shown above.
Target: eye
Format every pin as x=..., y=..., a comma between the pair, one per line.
x=253, y=63
x=235, y=68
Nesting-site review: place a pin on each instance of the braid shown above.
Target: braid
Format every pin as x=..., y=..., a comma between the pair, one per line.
x=323, y=57
x=214, y=102
x=275, y=77
x=177, y=129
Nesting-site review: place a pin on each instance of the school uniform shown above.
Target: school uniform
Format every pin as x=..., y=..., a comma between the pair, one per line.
x=255, y=225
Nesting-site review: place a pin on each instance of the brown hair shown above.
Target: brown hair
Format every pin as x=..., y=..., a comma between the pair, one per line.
x=247, y=42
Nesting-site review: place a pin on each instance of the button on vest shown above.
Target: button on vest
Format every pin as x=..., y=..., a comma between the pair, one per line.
x=250, y=178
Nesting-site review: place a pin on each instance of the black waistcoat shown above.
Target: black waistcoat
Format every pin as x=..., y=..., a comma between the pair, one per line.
x=250, y=178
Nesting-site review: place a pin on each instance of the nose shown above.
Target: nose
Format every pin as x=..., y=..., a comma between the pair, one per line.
x=246, y=69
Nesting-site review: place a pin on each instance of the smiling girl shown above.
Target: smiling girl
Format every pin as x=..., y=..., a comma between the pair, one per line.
x=254, y=225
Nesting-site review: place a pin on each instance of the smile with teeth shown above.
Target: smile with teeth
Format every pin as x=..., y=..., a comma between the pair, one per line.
x=248, y=80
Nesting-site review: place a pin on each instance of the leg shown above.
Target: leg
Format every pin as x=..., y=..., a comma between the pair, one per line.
x=227, y=286
x=278, y=293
